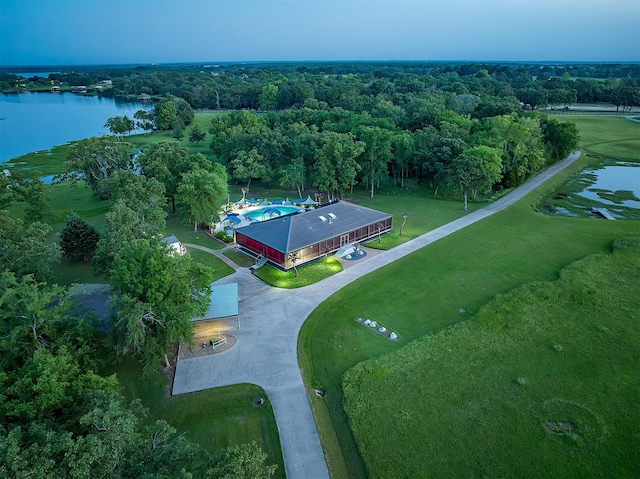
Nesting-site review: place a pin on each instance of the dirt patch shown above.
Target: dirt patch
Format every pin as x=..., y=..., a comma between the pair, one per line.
x=200, y=350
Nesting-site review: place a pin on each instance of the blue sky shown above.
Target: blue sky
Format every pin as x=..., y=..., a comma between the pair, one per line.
x=67, y=32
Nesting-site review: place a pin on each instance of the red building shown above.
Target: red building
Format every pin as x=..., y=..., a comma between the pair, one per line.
x=307, y=235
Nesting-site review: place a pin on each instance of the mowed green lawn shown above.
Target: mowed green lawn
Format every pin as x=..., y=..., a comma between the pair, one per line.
x=543, y=382
x=608, y=137
x=421, y=294
x=216, y=418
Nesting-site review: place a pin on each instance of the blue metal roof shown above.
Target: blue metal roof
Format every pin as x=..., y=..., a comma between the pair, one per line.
x=224, y=302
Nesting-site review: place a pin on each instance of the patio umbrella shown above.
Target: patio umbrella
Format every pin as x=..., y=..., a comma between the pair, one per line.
x=308, y=202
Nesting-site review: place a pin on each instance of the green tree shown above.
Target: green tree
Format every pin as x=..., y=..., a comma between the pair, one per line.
x=78, y=239
x=248, y=165
x=292, y=175
x=376, y=155
x=203, y=192
x=26, y=250
x=156, y=295
x=560, y=138
x=127, y=221
x=119, y=125
x=246, y=461
x=33, y=192
x=145, y=120
x=171, y=110
x=439, y=156
x=94, y=160
x=335, y=166
x=167, y=162
x=402, y=145
x=477, y=168
x=269, y=97
x=196, y=135
x=522, y=147
x=46, y=385
x=178, y=131
x=166, y=115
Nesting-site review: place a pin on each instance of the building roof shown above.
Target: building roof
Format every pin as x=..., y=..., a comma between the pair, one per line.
x=300, y=230
x=94, y=299
x=170, y=240
x=224, y=302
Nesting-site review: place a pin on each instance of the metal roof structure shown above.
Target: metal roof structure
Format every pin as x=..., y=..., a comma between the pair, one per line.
x=301, y=230
x=170, y=240
x=224, y=302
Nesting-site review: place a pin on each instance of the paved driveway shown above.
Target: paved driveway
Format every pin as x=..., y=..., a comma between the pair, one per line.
x=265, y=352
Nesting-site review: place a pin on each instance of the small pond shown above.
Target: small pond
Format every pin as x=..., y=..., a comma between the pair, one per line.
x=614, y=185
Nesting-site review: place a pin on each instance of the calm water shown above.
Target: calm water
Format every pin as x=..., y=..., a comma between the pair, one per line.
x=615, y=178
x=258, y=214
x=39, y=121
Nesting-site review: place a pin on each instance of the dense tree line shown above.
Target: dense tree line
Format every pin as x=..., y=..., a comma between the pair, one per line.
x=335, y=149
x=290, y=85
x=379, y=127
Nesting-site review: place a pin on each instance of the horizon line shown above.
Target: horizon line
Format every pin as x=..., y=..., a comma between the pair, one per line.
x=253, y=62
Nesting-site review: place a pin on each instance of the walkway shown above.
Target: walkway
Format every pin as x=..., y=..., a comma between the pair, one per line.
x=265, y=352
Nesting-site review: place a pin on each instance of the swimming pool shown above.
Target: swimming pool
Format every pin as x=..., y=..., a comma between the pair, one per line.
x=269, y=212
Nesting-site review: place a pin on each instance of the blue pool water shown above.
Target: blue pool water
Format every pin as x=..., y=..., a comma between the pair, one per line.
x=269, y=212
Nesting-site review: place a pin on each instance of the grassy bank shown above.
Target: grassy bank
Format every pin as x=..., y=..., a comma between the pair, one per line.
x=519, y=390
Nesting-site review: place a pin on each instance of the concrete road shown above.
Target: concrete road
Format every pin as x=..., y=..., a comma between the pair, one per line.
x=265, y=352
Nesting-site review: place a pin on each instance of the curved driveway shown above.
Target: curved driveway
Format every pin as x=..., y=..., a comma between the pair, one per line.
x=265, y=352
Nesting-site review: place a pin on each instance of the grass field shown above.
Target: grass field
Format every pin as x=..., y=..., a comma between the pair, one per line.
x=543, y=382
x=215, y=418
x=421, y=294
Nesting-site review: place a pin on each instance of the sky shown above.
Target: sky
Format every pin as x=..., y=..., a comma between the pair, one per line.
x=77, y=32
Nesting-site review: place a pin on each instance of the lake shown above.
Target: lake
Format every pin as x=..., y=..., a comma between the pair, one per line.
x=33, y=121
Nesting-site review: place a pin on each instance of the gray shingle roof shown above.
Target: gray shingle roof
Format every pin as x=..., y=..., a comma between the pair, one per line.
x=298, y=231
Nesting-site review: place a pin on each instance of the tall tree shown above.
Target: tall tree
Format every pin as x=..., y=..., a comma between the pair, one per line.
x=292, y=175
x=560, y=138
x=335, y=167
x=94, y=160
x=119, y=125
x=203, y=192
x=33, y=192
x=376, y=155
x=477, y=168
x=138, y=212
x=166, y=115
x=25, y=250
x=269, y=97
x=521, y=143
x=248, y=165
x=144, y=120
x=156, y=295
x=167, y=162
x=403, y=148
